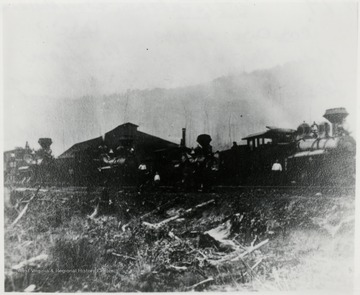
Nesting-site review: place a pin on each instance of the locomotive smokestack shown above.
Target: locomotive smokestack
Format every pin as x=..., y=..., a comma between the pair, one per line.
x=45, y=143
x=336, y=117
x=183, y=138
x=204, y=140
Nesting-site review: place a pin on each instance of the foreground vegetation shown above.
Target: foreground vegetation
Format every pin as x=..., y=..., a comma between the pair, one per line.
x=160, y=241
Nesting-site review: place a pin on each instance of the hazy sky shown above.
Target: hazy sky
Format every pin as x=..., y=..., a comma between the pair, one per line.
x=54, y=50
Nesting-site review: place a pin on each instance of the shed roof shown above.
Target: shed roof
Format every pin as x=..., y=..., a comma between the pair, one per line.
x=81, y=146
x=113, y=137
x=271, y=133
x=256, y=135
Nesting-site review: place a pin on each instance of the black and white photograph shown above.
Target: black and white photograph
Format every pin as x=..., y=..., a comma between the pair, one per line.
x=179, y=146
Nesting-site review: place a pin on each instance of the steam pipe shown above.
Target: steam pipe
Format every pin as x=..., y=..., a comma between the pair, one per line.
x=183, y=138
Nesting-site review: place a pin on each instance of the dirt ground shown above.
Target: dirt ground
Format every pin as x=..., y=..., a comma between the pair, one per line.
x=243, y=239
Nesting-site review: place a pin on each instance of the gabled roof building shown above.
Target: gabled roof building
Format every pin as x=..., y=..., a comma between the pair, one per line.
x=124, y=135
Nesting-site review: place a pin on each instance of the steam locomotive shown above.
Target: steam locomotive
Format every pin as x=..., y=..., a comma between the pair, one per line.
x=29, y=166
x=325, y=154
x=181, y=167
x=317, y=154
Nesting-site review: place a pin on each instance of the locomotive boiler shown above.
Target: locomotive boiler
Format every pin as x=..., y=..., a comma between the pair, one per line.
x=325, y=153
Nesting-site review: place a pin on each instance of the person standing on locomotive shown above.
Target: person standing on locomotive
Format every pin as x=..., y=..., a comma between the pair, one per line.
x=187, y=168
x=204, y=159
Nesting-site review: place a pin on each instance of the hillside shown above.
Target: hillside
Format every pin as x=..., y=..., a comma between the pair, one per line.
x=228, y=108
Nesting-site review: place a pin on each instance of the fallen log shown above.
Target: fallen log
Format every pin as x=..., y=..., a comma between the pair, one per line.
x=200, y=283
x=235, y=256
x=178, y=268
x=220, y=235
x=123, y=228
x=188, y=211
x=242, y=255
x=160, y=224
x=173, y=236
x=23, y=211
x=124, y=256
x=254, y=266
x=95, y=213
x=30, y=261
